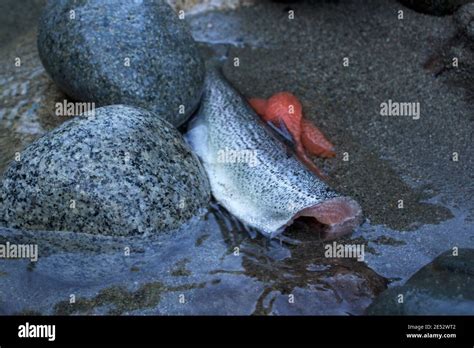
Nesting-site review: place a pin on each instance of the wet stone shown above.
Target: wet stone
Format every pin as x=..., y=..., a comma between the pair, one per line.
x=122, y=52
x=443, y=287
x=123, y=171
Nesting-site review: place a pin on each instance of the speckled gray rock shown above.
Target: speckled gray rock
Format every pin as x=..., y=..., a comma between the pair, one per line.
x=444, y=286
x=464, y=18
x=124, y=171
x=122, y=52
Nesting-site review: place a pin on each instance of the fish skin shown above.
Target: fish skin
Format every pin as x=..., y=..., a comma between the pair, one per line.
x=268, y=195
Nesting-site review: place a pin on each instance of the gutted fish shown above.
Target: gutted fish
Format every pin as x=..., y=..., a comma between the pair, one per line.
x=254, y=175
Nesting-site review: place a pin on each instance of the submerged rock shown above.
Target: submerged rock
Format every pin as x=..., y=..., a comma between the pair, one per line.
x=443, y=287
x=122, y=52
x=123, y=171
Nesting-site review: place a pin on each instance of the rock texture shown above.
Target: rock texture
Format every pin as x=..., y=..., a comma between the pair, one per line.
x=122, y=52
x=443, y=287
x=123, y=171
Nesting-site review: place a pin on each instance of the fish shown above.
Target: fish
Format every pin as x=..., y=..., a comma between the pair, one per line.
x=272, y=190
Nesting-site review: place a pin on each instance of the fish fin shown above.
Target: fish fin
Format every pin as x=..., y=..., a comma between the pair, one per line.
x=283, y=135
x=286, y=132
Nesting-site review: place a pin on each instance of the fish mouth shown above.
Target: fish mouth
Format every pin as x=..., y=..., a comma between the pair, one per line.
x=332, y=218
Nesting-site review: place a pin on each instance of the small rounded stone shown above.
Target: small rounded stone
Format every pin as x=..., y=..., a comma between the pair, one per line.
x=123, y=171
x=122, y=52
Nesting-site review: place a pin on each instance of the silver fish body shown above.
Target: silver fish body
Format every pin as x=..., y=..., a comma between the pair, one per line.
x=252, y=172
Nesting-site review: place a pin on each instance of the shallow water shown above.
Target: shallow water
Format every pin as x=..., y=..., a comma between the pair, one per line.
x=218, y=266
